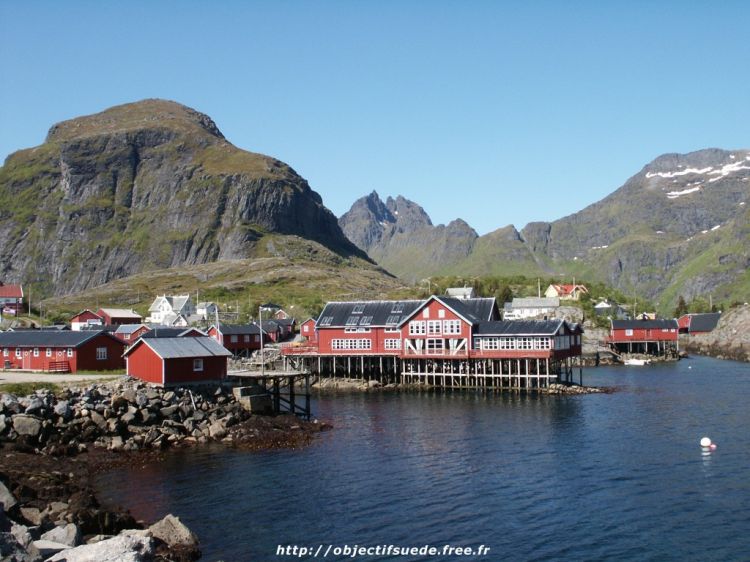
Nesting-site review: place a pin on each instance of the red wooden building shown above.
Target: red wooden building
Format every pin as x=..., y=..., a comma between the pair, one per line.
x=241, y=339
x=652, y=337
x=61, y=351
x=442, y=336
x=131, y=332
x=180, y=360
x=118, y=316
x=85, y=320
x=308, y=331
x=698, y=323
x=11, y=299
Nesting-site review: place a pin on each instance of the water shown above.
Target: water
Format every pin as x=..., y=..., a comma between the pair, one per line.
x=597, y=477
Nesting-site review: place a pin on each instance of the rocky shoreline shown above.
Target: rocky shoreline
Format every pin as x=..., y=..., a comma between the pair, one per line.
x=52, y=446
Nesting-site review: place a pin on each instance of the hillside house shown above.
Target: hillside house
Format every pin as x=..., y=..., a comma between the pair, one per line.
x=85, y=320
x=178, y=360
x=130, y=332
x=460, y=292
x=61, y=351
x=11, y=299
x=239, y=339
x=118, y=316
x=566, y=292
x=611, y=310
x=522, y=308
x=206, y=310
x=171, y=310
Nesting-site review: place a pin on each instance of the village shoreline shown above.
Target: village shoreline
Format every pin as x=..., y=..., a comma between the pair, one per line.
x=53, y=447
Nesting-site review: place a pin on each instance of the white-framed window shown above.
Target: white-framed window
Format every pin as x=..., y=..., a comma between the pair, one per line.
x=5, y=352
x=101, y=353
x=434, y=327
x=490, y=343
x=435, y=346
x=305, y=328
x=257, y=338
x=18, y=352
x=426, y=313
x=416, y=328
x=392, y=331
x=70, y=352
x=451, y=326
x=197, y=365
x=127, y=336
x=36, y=352
x=246, y=338
x=441, y=313
x=363, y=344
x=233, y=339
x=48, y=352
x=628, y=332
x=392, y=344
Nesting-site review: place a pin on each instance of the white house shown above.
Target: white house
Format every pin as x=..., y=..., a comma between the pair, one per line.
x=460, y=292
x=206, y=310
x=170, y=310
x=530, y=307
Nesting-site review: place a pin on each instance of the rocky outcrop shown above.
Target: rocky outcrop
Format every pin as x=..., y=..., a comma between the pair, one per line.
x=729, y=340
x=146, y=186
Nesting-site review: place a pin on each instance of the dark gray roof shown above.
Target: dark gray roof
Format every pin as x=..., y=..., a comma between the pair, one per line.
x=48, y=338
x=238, y=329
x=475, y=310
x=704, y=322
x=373, y=313
x=271, y=325
x=165, y=333
x=128, y=328
x=519, y=328
x=644, y=324
x=176, y=348
x=284, y=321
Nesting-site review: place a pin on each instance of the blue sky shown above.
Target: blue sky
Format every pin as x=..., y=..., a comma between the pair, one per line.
x=494, y=112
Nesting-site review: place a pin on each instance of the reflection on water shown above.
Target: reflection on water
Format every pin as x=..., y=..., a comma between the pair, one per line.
x=595, y=477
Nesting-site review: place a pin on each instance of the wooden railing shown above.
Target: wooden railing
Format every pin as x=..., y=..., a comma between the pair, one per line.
x=58, y=367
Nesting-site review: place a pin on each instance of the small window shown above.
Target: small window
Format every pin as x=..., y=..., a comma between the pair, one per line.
x=18, y=352
x=326, y=320
x=392, y=320
x=48, y=353
x=366, y=321
x=628, y=332
x=352, y=321
x=70, y=352
x=197, y=365
x=305, y=328
x=36, y=352
x=398, y=308
x=441, y=313
x=101, y=353
x=426, y=313
x=233, y=339
x=256, y=337
x=358, y=309
x=5, y=352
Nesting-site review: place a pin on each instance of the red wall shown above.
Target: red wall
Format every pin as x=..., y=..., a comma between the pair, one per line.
x=84, y=357
x=310, y=333
x=240, y=344
x=144, y=364
x=644, y=335
x=181, y=370
x=85, y=316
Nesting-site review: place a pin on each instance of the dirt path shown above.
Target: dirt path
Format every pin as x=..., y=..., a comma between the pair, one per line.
x=11, y=377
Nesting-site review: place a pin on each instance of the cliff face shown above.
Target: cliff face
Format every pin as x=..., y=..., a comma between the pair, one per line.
x=145, y=186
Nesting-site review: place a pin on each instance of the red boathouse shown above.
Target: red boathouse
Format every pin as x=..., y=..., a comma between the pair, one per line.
x=651, y=337
x=178, y=360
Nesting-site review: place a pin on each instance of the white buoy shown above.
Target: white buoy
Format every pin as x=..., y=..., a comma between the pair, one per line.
x=705, y=442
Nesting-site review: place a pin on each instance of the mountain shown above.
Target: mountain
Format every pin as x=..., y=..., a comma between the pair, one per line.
x=680, y=226
x=148, y=186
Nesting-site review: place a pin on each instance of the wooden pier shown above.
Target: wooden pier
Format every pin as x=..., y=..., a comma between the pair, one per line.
x=280, y=387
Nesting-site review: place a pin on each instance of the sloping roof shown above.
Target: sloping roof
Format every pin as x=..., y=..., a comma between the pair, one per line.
x=120, y=313
x=460, y=292
x=380, y=313
x=475, y=310
x=48, y=338
x=535, y=302
x=285, y=321
x=129, y=328
x=568, y=289
x=160, y=332
x=176, y=348
x=704, y=322
x=84, y=311
x=11, y=291
x=176, y=303
x=238, y=329
x=519, y=328
x=644, y=324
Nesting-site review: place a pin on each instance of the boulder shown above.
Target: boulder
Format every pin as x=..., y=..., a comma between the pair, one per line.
x=22, y=534
x=173, y=532
x=117, y=549
x=3, y=423
x=34, y=405
x=130, y=395
x=10, y=404
x=69, y=535
x=12, y=550
x=32, y=515
x=7, y=501
x=216, y=430
x=98, y=419
x=49, y=548
x=27, y=425
x=62, y=409
x=168, y=411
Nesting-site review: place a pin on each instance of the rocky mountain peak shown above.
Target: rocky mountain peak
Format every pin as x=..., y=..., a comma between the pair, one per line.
x=141, y=115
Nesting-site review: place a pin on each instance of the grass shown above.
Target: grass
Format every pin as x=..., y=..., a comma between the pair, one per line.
x=27, y=388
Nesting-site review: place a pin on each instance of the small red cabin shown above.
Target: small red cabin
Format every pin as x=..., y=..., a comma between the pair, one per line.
x=698, y=323
x=84, y=320
x=239, y=339
x=307, y=330
x=117, y=316
x=178, y=360
x=11, y=299
x=61, y=351
x=131, y=332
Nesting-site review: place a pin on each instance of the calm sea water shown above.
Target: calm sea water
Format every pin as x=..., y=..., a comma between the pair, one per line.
x=597, y=477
